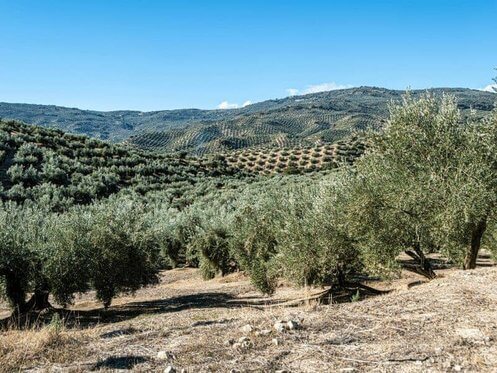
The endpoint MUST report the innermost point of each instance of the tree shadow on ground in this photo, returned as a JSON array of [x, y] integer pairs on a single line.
[[118, 313], [353, 291], [119, 362]]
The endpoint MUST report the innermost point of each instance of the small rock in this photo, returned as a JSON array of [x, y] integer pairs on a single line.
[[244, 342], [247, 328], [263, 332], [349, 369], [275, 341], [229, 342], [280, 326], [170, 369], [457, 368], [292, 325], [472, 335], [236, 345], [164, 355], [446, 364]]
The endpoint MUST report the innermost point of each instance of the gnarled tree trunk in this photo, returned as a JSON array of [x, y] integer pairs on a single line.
[[474, 248], [424, 267], [15, 292], [38, 301]]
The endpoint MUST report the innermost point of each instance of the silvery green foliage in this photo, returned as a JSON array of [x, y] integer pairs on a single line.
[[109, 246], [254, 235], [19, 229], [471, 191], [314, 244], [125, 251], [425, 184]]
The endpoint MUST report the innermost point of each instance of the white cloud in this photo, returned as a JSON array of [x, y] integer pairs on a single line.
[[490, 88], [231, 105], [227, 105], [292, 91], [323, 87]]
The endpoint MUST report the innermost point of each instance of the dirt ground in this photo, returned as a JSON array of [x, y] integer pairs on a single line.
[[223, 325]]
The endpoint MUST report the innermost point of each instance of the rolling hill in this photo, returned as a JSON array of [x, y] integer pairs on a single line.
[[308, 120], [59, 169]]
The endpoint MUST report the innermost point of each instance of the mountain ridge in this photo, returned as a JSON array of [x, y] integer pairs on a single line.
[[295, 120]]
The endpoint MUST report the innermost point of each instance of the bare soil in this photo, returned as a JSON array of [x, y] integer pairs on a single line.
[[444, 325]]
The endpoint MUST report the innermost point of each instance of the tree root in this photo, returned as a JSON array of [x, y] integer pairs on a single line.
[[422, 267], [334, 294]]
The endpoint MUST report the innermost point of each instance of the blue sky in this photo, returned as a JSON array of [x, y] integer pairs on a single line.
[[151, 55]]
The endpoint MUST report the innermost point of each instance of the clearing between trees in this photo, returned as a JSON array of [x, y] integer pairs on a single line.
[[225, 325]]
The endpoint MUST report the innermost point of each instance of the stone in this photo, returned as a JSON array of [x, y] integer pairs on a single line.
[[170, 369], [247, 328], [264, 332], [244, 343], [472, 335], [457, 368], [292, 325], [276, 341], [280, 326], [163, 355], [229, 342]]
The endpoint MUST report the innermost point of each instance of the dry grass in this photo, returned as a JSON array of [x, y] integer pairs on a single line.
[[447, 324], [39, 346]]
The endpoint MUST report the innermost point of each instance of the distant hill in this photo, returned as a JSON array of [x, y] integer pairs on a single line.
[[293, 121], [295, 160], [59, 169]]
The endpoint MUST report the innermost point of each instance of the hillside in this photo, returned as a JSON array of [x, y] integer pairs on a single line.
[[448, 324], [295, 159], [308, 120], [292, 121], [60, 169]]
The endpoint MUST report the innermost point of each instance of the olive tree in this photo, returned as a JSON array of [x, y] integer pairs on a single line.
[[253, 231], [19, 262], [426, 184], [471, 194], [109, 247], [315, 245]]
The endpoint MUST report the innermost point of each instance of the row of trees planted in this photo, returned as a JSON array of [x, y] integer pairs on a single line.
[[427, 183]]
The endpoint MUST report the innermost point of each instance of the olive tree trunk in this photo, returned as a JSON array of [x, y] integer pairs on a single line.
[[15, 292], [474, 248], [16, 295], [38, 301]]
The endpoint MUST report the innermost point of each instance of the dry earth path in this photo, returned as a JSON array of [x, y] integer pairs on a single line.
[[448, 324]]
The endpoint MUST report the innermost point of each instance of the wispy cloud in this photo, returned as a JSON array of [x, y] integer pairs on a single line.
[[292, 91], [322, 87], [490, 88], [227, 105], [231, 105]]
